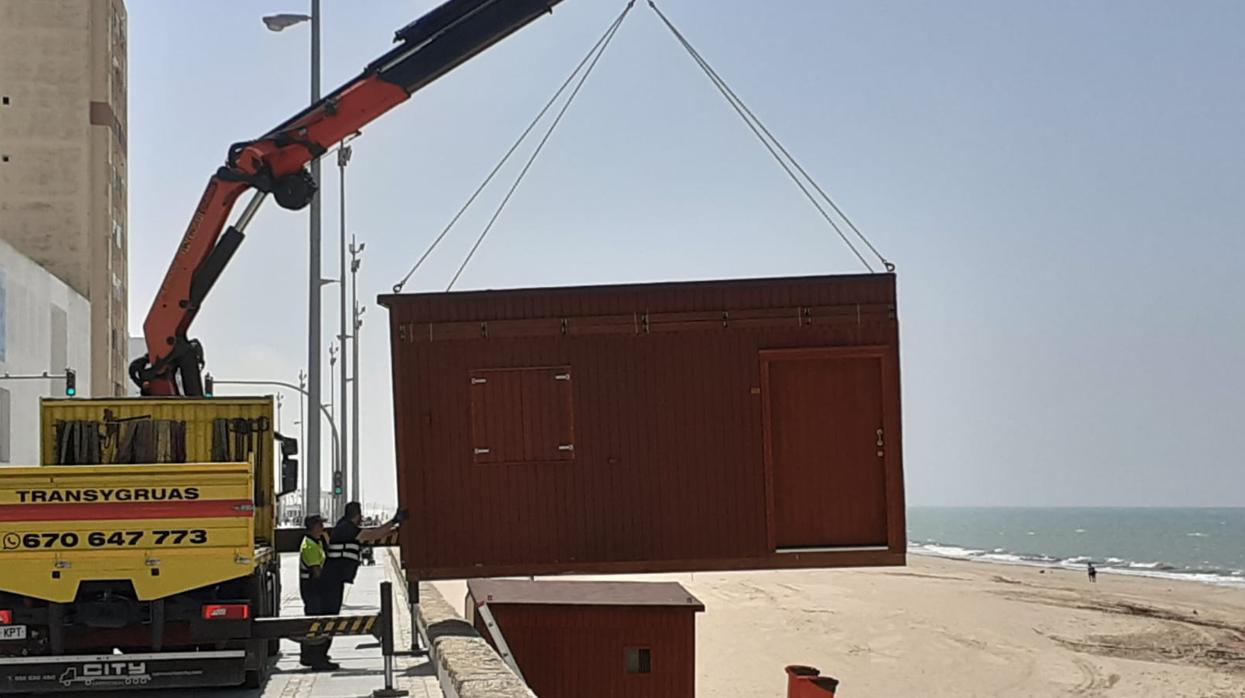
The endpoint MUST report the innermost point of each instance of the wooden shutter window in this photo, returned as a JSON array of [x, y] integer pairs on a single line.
[[522, 415]]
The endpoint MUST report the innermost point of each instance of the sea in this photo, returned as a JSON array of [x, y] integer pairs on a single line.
[[1202, 545]]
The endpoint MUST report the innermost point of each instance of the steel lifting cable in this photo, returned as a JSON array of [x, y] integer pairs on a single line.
[[590, 59], [766, 137], [540, 146]]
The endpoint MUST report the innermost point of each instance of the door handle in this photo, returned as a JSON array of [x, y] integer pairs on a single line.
[[881, 442]]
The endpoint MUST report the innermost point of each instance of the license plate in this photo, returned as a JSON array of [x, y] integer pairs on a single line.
[[12, 632]]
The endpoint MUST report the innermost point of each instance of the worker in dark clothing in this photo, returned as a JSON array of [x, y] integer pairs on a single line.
[[311, 557], [346, 542]]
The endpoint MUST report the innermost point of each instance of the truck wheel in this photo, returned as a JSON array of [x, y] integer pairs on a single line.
[[274, 645], [255, 678], [265, 593]]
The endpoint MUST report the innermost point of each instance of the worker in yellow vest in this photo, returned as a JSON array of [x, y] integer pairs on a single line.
[[311, 557]]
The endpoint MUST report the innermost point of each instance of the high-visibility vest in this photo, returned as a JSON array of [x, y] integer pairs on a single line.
[[304, 569], [351, 550]]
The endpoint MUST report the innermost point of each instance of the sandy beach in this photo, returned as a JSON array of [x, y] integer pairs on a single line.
[[951, 628]]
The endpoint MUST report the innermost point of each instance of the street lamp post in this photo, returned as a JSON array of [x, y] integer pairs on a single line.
[[277, 23], [302, 433], [343, 158], [332, 378], [356, 491], [333, 400]]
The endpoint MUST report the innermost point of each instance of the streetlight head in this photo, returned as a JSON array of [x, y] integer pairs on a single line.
[[276, 23]]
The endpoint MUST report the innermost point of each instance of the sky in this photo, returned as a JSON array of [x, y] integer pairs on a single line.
[[1061, 185]]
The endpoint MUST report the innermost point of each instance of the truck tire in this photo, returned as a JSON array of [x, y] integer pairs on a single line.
[[256, 678], [265, 594], [274, 645]]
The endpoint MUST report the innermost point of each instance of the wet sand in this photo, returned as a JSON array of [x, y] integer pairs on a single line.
[[951, 628]]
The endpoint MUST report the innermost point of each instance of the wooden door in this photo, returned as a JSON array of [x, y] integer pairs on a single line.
[[824, 448]]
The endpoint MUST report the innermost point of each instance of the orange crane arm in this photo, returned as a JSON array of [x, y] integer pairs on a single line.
[[276, 164]]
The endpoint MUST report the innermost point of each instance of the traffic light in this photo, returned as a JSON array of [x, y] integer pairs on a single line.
[[71, 382], [289, 464], [208, 385], [337, 482]]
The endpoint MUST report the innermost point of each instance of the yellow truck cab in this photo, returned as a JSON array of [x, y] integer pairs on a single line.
[[140, 549]]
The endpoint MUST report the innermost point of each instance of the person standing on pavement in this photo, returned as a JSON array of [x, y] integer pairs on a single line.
[[345, 552], [311, 557]]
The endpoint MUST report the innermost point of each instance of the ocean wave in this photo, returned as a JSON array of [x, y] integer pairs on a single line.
[[1003, 557], [954, 551], [1196, 534], [1215, 578], [1110, 565]]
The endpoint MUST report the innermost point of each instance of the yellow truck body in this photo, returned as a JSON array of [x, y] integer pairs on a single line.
[[146, 531], [166, 529]]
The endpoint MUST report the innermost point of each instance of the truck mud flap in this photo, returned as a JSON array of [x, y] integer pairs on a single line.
[[121, 672]]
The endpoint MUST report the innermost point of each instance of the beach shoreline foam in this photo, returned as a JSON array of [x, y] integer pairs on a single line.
[[1108, 565]]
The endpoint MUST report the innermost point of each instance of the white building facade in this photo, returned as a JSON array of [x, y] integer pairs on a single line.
[[44, 326], [137, 346]]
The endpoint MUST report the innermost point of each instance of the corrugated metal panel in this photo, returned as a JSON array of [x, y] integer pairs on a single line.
[[577, 651], [199, 416], [669, 461]]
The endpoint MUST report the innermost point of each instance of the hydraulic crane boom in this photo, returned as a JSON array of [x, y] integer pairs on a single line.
[[276, 164]]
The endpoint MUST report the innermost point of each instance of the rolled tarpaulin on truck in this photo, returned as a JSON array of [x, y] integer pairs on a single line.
[[78, 442]]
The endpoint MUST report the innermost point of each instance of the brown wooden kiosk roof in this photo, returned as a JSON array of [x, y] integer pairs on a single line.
[[582, 593]]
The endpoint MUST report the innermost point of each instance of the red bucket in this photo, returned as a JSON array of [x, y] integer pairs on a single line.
[[807, 682]]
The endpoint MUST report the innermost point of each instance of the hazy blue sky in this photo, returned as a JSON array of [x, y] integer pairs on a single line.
[[1062, 185]]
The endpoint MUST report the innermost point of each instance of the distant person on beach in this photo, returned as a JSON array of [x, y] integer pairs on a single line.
[[1093, 573]]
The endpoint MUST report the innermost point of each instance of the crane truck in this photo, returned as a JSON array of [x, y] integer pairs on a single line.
[[141, 552]]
